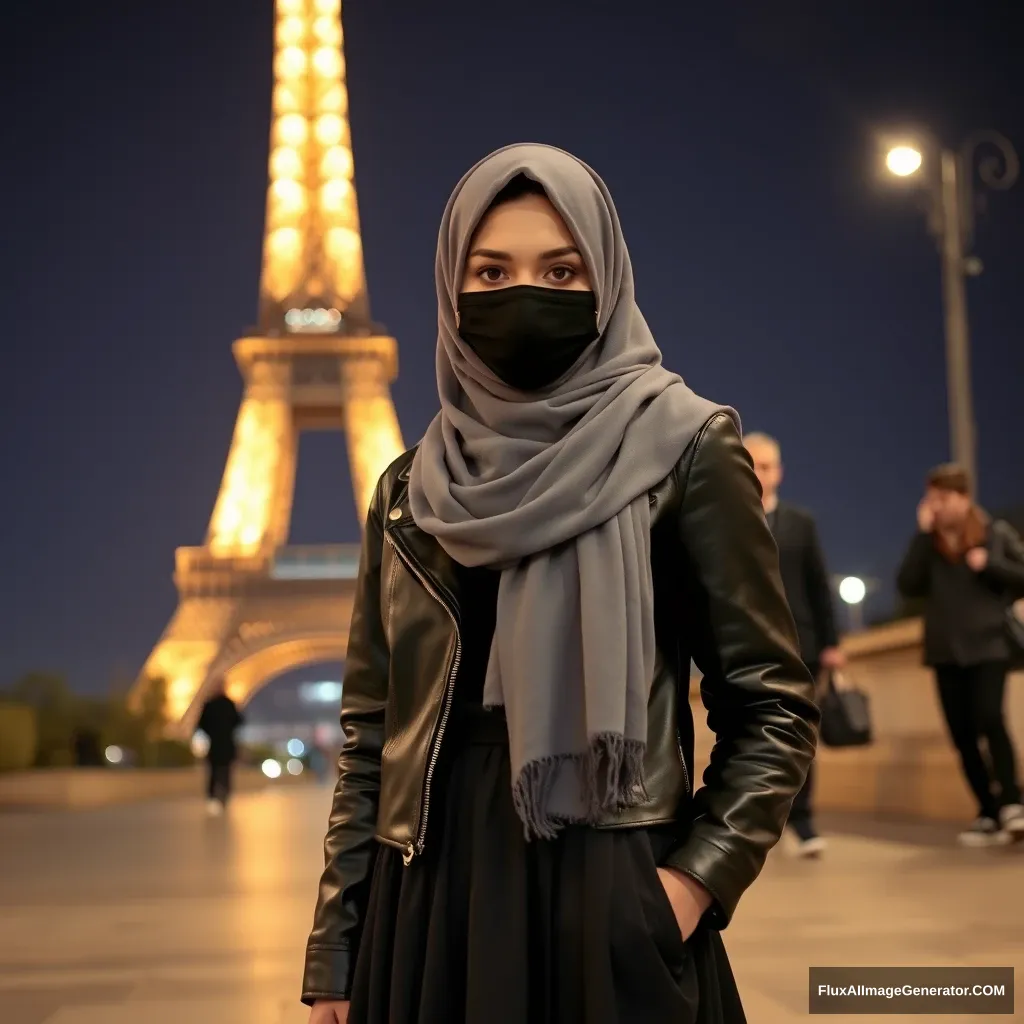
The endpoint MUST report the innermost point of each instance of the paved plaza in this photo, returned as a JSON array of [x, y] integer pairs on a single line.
[[154, 913]]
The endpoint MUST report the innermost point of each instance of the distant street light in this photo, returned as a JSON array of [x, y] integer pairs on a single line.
[[903, 160], [949, 181], [853, 590]]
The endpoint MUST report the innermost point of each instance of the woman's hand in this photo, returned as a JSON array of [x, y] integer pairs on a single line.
[[688, 897], [977, 559], [833, 658], [926, 515], [330, 1012]]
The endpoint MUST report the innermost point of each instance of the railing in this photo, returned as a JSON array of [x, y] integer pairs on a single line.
[[315, 562]]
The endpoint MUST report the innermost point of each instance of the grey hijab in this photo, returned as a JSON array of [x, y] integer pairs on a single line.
[[552, 488]]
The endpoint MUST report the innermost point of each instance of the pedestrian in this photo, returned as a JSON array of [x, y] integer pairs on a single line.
[[220, 720], [967, 570], [805, 577], [515, 836]]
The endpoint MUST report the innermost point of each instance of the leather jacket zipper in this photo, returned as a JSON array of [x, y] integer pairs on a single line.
[[416, 848], [682, 761]]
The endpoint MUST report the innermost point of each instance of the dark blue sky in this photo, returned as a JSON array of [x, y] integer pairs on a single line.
[[737, 139]]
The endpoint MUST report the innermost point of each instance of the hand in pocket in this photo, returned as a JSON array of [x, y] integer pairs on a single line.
[[689, 899]]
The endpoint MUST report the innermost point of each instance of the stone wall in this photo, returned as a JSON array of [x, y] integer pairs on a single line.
[[911, 770], [81, 788]]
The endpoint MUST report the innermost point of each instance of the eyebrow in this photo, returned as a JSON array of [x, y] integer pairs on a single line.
[[551, 254]]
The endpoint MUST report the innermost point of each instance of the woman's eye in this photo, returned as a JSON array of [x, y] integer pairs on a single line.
[[561, 275], [492, 275]]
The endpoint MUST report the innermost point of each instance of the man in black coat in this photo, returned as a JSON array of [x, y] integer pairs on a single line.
[[809, 592], [220, 719]]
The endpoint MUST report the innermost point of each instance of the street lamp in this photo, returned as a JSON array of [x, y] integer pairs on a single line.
[[852, 591], [951, 219], [903, 161]]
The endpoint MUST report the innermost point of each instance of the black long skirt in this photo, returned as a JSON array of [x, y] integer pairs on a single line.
[[487, 928]]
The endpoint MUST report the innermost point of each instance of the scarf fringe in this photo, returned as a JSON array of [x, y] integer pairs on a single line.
[[610, 775]]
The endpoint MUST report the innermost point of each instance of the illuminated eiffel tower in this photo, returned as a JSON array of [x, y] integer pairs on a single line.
[[250, 606]]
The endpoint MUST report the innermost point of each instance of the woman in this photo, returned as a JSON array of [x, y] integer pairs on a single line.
[[966, 570], [514, 836]]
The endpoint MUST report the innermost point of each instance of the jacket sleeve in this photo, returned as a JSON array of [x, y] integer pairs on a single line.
[[350, 847], [757, 691], [1006, 559], [913, 578], [819, 590]]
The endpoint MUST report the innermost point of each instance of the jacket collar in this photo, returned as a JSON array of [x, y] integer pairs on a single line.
[[423, 553]]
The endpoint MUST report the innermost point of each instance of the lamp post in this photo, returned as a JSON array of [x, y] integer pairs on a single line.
[[951, 219]]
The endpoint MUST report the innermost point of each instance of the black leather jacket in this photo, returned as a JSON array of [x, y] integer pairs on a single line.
[[718, 600]]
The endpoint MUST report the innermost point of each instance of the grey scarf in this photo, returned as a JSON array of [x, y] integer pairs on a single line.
[[553, 490]]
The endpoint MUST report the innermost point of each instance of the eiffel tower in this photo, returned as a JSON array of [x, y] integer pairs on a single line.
[[249, 605]]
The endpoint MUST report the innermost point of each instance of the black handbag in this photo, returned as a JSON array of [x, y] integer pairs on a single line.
[[845, 716]]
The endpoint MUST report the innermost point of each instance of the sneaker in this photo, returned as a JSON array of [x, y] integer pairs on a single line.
[[805, 842], [1011, 817], [214, 808], [984, 832]]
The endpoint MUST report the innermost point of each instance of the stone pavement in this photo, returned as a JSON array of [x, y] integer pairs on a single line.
[[154, 914]]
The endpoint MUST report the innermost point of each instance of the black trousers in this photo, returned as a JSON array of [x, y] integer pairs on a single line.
[[801, 814], [218, 780], [972, 702]]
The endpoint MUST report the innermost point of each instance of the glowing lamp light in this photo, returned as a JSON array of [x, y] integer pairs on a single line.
[[288, 196], [290, 6], [290, 31], [903, 161], [295, 766], [288, 98], [333, 100], [310, 320], [852, 590], [335, 196], [285, 243], [342, 243], [337, 163], [114, 755], [292, 130], [327, 31], [296, 747], [271, 768], [329, 130], [327, 62], [290, 63], [250, 535], [285, 162], [327, 6]]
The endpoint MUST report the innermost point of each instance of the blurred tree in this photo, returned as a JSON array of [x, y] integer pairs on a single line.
[[73, 730], [17, 736], [137, 724], [55, 708]]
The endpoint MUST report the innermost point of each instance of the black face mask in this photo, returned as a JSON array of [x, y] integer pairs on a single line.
[[528, 336]]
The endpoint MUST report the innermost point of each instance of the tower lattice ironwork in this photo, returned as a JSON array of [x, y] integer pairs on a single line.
[[251, 606]]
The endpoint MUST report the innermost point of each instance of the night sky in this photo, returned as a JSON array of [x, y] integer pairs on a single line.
[[777, 273]]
